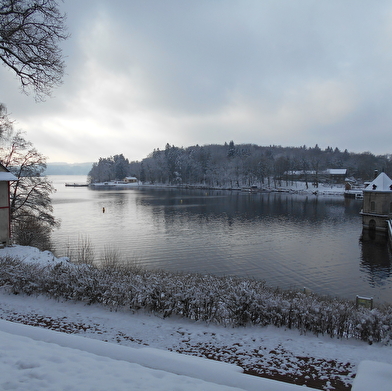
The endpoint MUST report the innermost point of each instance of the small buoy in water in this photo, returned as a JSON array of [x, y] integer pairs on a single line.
[[103, 210]]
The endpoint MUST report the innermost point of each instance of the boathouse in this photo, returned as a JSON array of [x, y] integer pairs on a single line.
[[5, 211], [130, 179], [377, 203]]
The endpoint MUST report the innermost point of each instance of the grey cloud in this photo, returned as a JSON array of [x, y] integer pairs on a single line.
[[183, 72]]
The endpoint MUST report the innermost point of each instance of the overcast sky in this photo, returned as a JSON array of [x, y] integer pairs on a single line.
[[143, 73]]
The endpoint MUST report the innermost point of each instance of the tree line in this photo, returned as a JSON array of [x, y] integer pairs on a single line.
[[231, 166]]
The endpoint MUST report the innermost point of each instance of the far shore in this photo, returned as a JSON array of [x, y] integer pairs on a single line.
[[293, 188]]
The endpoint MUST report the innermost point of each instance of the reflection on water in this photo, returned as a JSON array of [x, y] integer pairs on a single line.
[[376, 258], [286, 240]]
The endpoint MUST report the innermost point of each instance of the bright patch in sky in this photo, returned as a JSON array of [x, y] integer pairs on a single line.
[[143, 74]]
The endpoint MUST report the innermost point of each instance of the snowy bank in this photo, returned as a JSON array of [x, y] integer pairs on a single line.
[[33, 255], [225, 300], [35, 358], [114, 342]]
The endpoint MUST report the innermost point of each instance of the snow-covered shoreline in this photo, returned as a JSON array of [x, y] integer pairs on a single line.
[[297, 187], [278, 350], [322, 190]]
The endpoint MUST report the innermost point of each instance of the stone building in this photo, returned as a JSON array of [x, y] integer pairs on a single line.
[[377, 203], [5, 216]]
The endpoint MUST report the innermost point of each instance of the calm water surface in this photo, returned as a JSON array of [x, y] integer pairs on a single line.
[[286, 240]]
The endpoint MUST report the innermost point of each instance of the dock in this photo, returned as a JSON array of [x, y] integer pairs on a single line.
[[357, 194], [76, 184]]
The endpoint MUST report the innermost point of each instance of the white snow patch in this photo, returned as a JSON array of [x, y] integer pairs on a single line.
[[33, 358], [373, 375], [31, 255]]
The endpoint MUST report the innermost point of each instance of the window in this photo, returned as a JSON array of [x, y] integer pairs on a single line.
[[372, 206]]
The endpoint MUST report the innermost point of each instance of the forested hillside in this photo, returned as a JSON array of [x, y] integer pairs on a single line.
[[232, 166]]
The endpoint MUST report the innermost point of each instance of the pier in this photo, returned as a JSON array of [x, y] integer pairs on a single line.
[[76, 184]]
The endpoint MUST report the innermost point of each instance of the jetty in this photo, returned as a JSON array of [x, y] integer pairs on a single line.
[[357, 194], [117, 185], [76, 184]]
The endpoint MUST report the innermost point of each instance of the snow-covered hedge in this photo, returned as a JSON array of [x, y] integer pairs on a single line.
[[231, 301]]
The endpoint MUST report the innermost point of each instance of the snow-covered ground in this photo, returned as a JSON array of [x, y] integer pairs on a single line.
[[322, 189], [80, 347]]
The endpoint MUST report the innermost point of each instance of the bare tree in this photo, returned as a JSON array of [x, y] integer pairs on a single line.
[[30, 31], [31, 206], [5, 122]]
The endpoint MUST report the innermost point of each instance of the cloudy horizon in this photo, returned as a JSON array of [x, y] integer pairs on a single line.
[[142, 74]]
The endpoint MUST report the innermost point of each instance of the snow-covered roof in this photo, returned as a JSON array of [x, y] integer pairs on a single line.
[[328, 171], [337, 171], [381, 183], [7, 176]]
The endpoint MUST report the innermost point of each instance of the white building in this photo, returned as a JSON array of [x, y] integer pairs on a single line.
[[377, 203]]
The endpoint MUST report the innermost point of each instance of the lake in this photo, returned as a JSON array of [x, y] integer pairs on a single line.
[[289, 241]]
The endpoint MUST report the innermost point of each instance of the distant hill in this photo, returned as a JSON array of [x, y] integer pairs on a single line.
[[68, 168]]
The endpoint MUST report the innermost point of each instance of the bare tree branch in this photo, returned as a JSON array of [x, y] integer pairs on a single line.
[[30, 32]]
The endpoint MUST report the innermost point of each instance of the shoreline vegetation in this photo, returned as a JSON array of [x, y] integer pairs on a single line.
[[229, 301], [243, 165]]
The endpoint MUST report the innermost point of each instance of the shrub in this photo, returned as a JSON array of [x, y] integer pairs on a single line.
[[30, 231], [230, 301]]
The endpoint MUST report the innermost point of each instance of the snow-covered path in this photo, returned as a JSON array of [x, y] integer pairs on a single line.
[[35, 359], [28, 364]]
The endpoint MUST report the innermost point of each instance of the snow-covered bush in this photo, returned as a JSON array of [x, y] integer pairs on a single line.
[[230, 301]]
